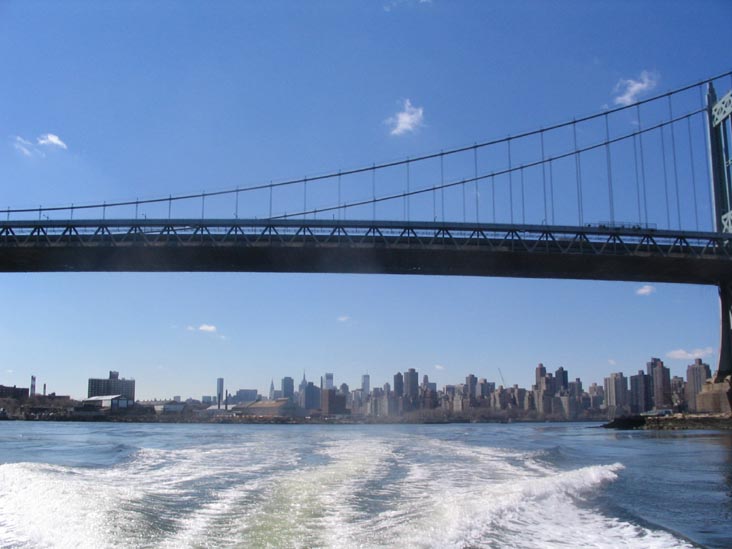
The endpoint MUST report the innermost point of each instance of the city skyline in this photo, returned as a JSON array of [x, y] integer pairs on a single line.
[[122, 103]]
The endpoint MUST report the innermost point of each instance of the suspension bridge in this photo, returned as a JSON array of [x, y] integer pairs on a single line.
[[639, 192]]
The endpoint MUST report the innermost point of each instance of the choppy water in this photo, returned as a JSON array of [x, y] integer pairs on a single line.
[[544, 485]]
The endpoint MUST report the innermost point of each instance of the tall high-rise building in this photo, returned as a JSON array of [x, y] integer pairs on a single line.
[[288, 387], [327, 383], [33, 386], [561, 377], [271, 389], [310, 397], [398, 384], [112, 386], [616, 393], [661, 382], [540, 373], [696, 376], [366, 384], [411, 384], [471, 385], [641, 393], [219, 391]]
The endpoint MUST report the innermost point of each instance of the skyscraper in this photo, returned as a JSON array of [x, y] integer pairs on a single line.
[[696, 376], [661, 384], [328, 382], [641, 393], [616, 394], [366, 384], [288, 387], [219, 391], [398, 385], [411, 384], [561, 377], [471, 384], [540, 373]]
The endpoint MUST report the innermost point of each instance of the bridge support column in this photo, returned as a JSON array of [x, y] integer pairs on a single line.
[[725, 347]]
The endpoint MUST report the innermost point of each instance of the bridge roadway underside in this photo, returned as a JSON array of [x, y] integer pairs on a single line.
[[303, 246]]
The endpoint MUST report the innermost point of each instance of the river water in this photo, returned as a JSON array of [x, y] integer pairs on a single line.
[[464, 485]]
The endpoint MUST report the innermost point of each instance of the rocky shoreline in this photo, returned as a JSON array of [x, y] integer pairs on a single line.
[[676, 422]]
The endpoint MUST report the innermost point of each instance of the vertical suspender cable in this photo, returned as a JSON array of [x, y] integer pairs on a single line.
[[551, 189], [408, 195], [305, 197], [523, 203], [665, 179], [676, 168], [510, 180], [339, 195], [236, 206], [170, 204], [643, 165], [578, 175], [493, 199], [373, 192], [543, 176], [465, 211], [706, 163], [637, 178], [271, 188], [693, 173], [609, 171], [442, 183], [477, 194]]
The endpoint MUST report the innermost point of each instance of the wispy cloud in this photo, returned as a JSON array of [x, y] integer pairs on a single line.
[[343, 318], [439, 367], [611, 362], [23, 146], [681, 354], [409, 119], [646, 289], [30, 149], [208, 328], [629, 90], [51, 140]]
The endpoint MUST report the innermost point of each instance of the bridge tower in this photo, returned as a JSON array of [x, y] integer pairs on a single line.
[[720, 137]]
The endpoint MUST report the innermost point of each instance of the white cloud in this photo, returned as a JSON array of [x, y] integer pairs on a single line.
[[681, 354], [29, 150], [9, 371], [628, 90], [190, 329], [646, 289], [611, 362], [210, 328], [439, 367], [343, 318], [51, 140], [407, 120]]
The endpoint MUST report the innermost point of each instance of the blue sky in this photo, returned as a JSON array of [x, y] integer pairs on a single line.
[[104, 101]]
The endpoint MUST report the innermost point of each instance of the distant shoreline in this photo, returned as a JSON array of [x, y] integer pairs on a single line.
[[677, 422]]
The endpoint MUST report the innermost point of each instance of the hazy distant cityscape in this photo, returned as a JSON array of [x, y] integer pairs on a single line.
[[405, 397]]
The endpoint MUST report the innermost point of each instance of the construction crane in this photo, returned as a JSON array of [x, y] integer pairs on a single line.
[[501, 374]]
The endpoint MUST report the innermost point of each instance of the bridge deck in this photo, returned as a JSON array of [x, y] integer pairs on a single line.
[[320, 246]]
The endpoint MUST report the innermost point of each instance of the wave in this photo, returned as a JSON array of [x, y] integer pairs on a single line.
[[340, 489]]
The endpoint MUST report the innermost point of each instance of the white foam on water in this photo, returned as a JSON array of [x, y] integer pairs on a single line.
[[140, 503], [337, 491], [309, 507]]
